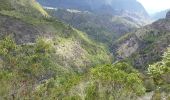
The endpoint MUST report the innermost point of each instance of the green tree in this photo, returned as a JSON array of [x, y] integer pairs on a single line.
[[117, 81], [160, 72]]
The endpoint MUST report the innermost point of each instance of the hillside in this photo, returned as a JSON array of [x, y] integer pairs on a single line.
[[96, 5], [131, 9], [115, 7], [102, 28], [26, 29], [35, 48], [103, 20], [44, 57], [145, 45], [22, 7]]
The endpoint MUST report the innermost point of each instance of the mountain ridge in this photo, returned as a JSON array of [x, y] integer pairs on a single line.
[[44, 58], [98, 6], [145, 45], [25, 28]]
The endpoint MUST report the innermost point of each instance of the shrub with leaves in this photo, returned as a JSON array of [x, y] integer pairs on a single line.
[[116, 81], [24, 66], [160, 72]]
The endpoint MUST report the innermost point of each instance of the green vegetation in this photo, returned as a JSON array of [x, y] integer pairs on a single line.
[[160, 72], [24, 7], [74, 50], [117, 81], [23, 66], [101, 28], [30, 71], [60, 62], [101, 83]]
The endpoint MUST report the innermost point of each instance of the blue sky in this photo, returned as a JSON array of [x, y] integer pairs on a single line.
[[153, 6]]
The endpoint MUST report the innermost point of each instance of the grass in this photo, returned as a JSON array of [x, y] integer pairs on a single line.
[[29, 7], [86, 52]]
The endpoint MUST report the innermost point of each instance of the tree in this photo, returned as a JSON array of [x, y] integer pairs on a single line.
[[160, 72], [117, 81]]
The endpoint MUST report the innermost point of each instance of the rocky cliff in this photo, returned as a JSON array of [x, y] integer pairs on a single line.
[[145, 45]]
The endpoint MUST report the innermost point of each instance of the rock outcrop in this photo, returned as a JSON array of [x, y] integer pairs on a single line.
[[145, 45]]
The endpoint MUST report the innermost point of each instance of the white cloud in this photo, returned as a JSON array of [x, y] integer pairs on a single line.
[[153, 6]]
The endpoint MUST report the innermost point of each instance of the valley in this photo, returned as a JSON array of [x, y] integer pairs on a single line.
[[83, 50]]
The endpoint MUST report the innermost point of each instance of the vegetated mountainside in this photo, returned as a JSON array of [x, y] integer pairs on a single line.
[[42, 58], [35, 48], [96, 5], [25, 27], [102, 28], [159, 15], [102, 20], [115, 7], [27, 7], [145, 45]]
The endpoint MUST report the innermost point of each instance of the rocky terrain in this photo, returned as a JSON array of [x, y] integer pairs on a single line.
[[142, 45]]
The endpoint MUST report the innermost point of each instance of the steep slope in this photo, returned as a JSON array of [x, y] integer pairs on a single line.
[[25, 27], [95, 5], [130, 8], [144, 45], [43, 58], [22, 6], [91, 5], [35, 48], [103, 20], [102, 28]]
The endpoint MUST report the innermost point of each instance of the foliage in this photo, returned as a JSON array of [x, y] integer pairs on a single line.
[[23, 6], [115, 81], [31, 71], [24, 64], [160, 72]]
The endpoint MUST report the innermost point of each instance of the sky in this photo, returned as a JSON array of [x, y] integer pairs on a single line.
[[153, 6]]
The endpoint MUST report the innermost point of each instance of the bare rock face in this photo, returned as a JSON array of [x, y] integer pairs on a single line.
[[168, 15]]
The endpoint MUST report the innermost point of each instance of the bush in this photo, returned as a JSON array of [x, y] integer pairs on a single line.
[[117, 81]]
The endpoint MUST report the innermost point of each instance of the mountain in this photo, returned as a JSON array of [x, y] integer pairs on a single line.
[[36, 48], [102, 20], [145, 45], [114, 7], [94, 5], [43, 58], [159, 15], [26, 20], [22, 6], [102, 28]]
